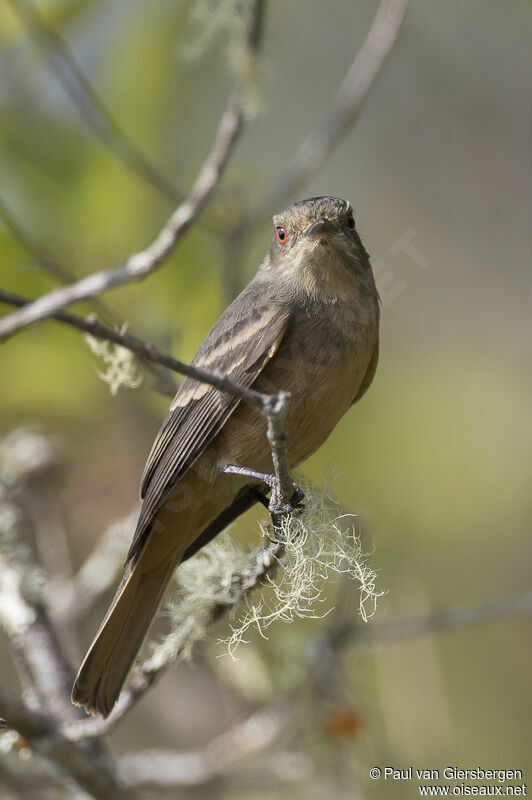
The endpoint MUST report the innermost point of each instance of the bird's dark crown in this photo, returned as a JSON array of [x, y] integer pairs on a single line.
[[300, 215]]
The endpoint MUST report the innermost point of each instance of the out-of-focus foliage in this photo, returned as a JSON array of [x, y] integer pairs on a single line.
[[436, 457]]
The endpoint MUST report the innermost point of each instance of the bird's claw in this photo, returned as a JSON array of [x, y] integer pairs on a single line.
[[294, 504]]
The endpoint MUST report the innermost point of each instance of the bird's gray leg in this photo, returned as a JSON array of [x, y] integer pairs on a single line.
[[294, 504]]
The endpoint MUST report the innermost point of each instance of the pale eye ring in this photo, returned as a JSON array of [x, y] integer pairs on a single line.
[[281, 234]]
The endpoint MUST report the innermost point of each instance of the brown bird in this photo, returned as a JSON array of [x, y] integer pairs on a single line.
[[307, 323]]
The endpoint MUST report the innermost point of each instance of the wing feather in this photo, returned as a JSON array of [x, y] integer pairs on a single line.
[[240, 344]]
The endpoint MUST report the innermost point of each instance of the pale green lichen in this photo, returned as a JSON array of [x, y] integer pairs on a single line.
[[122, 366], [318, 544], [205, 582]]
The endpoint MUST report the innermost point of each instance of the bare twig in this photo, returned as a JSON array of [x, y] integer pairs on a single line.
[[141, 264], [24, 782], [403, 629], [90, 105], [320, 142], [271, 406], [148, 352], [262, 564], [44, 670], [283, 488], [81, 761], [247, 739], [353, 90], [163, 381], [325, 670], [201, 766]]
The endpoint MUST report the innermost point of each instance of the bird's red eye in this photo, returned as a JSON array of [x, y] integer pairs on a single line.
[[281, 235], [351, 223]]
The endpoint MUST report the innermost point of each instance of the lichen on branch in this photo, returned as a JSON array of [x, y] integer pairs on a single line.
[[308, 550]]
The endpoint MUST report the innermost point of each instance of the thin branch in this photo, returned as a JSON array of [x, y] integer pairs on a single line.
[[177, 768], [148, 352], [403, 629], [163, 381], [42, 666], [320, 142], [262, 564], [353, 91], [77, 760], [283, 488], [273, 407], [44, 670], [26, 783], [90, 105], [247, 739], [144, 263]]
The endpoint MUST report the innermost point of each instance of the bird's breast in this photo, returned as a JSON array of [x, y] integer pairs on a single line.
[[321, 362]]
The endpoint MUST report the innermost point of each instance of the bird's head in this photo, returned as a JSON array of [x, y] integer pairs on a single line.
[[316, 241]]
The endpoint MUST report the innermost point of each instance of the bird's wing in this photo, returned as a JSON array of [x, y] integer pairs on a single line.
[[243, 340]]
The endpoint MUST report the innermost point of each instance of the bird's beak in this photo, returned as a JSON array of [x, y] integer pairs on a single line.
[[322, 227]]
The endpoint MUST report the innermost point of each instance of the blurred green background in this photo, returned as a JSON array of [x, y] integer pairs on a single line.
[[436, 457]]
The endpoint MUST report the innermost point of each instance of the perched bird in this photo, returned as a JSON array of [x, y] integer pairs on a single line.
[[307, 323]]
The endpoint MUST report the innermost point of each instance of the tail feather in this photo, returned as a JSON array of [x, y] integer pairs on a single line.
[[121, 635]]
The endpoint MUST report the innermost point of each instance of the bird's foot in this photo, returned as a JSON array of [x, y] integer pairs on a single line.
[[294, 504]]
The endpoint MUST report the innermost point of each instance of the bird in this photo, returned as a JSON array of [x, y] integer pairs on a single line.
[[308, 324]]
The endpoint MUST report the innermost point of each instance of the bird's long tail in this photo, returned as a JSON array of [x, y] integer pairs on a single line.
[[122, 633]]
